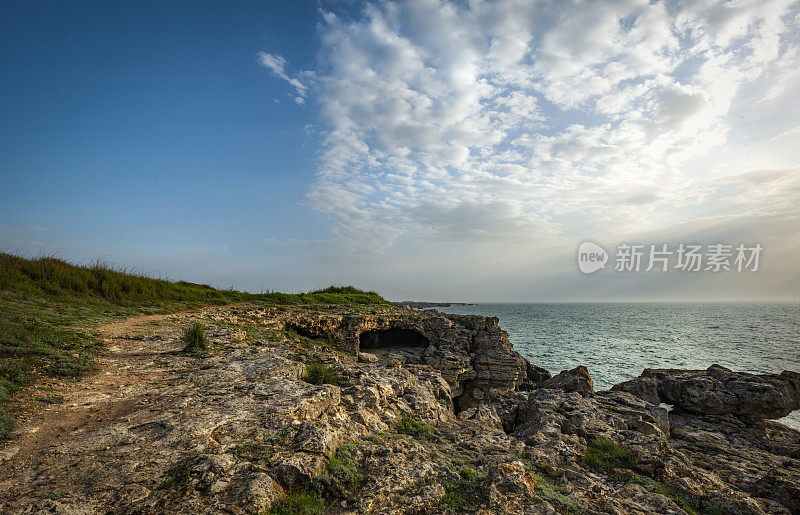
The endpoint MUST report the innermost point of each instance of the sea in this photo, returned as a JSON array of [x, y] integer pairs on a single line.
[[617, 340]]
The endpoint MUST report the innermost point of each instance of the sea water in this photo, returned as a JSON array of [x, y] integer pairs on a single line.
[[616, 341]]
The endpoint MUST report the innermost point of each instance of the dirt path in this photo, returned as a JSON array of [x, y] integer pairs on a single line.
[[91, 402]]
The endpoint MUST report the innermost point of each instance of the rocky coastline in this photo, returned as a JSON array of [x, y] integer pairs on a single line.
[[426, 413]]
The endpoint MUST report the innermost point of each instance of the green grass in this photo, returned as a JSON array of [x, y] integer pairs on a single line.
[[341, 474], [50, 277], [320, 373], [6, 425], [179, 474], [606, 454], [548, 490], [53, 399], [414, 427], [54, 278], [252, 451], [195, 341], [464, 494], [687, 504], [347, 290], [298, 503], [560, 410], [320, 298]]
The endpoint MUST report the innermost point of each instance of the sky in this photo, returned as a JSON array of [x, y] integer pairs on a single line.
[[436, 150]]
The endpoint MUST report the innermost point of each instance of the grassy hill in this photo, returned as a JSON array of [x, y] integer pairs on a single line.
[[49, 309]]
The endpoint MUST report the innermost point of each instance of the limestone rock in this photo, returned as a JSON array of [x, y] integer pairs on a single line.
[[366, 357], [575, 380], [719, 391], [235, 432], [646, 388]]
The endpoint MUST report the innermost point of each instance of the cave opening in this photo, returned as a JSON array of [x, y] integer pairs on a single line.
[[391, 339]]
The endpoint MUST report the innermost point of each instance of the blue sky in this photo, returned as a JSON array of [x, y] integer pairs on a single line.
[[136, 132], [426, 149]]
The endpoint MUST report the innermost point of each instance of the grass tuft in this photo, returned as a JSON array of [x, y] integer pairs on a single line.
[[178, 475], [464, 494], [298, 503], [548, 490], [319, 373], [252, 451], [195, 341], [414, 427], [606, 454], [341, 474], [6, 425], [72, 366]]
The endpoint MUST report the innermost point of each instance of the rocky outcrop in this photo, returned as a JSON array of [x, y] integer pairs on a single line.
[[471, 352], [576, 380], [761, 458], [719, 391]]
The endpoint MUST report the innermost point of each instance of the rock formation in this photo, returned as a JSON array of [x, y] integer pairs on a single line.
[[471, 352], [431, 413], [575, 380], [719, 391]]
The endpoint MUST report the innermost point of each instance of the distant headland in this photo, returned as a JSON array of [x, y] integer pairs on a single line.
[[422, 305]]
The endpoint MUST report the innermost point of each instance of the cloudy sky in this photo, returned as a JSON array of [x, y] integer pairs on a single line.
[[428, 149]]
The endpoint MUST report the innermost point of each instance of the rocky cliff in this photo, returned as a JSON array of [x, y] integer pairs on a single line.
[[385, 410]]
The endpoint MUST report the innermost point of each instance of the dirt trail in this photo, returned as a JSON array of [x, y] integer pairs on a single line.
[[91, 402]]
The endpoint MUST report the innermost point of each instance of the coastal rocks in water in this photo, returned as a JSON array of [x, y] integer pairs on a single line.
[[535, 377], [720, 391], [575, 380]]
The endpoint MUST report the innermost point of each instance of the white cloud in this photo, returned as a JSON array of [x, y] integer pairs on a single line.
[[277, 65], [488, 121]]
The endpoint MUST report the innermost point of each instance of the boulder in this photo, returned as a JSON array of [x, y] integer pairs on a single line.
[[575, 380], [646, 388], [366, 357]]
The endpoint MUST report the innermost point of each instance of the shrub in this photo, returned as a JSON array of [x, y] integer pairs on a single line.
[[298, 503], [319, 373], [195, 341], [606, 454], [415, 427]]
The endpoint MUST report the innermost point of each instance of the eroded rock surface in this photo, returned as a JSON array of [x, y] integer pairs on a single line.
[[720, 391], [436, 427], [576, 380], [471, 352]]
